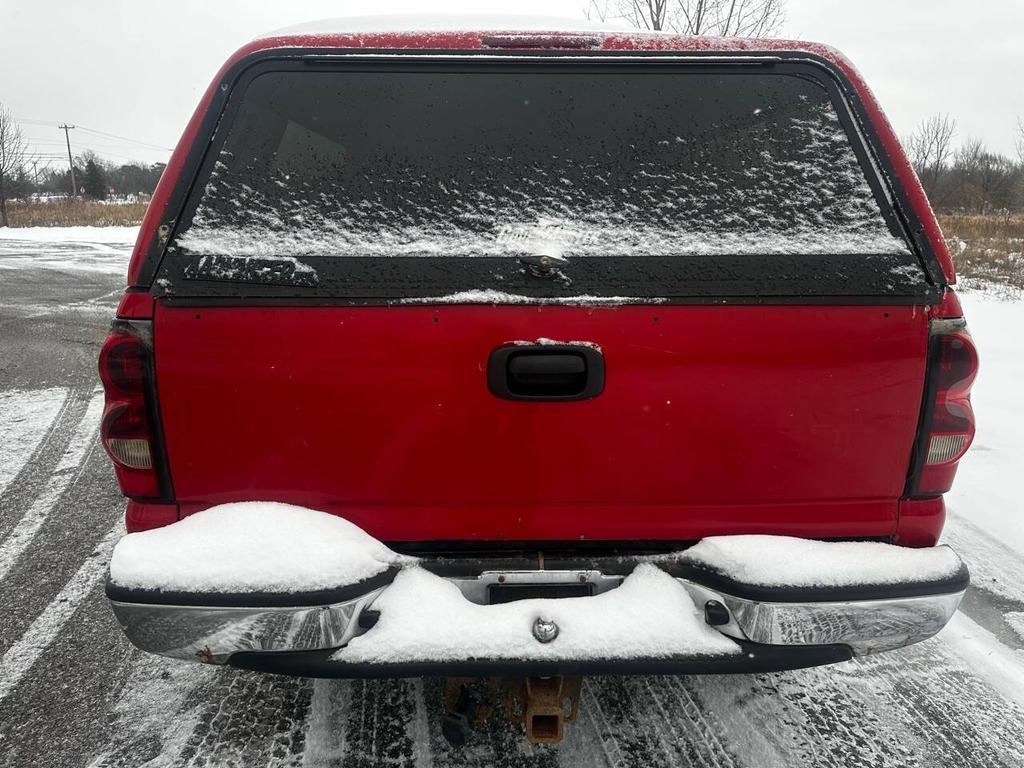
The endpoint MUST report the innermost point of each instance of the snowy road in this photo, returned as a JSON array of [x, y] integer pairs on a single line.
[[73, 693]]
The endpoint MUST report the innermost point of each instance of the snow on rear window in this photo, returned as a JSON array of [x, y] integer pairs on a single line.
[[569, 164]]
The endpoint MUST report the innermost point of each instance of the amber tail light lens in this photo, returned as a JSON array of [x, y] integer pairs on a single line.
[[127, 429]]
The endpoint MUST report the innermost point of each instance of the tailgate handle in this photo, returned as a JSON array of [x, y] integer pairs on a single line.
[[545, 372]]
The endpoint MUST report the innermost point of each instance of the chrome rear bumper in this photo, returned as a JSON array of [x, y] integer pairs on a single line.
[[211, 634], [780, 618]]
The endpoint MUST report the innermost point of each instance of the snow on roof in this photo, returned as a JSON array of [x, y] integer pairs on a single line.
[[359, 25]]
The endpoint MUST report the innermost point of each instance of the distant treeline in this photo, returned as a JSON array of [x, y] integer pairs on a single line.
[[95, 179], [968, 178]]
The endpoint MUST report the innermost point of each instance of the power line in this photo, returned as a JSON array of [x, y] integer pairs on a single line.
[[125, 138], [102, 152], [147, 144], [106, 150]]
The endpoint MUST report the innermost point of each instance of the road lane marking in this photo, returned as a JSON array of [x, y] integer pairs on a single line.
[[26, 416], [1001, 667], [64, 476], [20, 657]]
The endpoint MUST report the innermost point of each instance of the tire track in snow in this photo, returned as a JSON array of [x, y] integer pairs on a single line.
[[378, 724], [155, 712], [921, 706], [249, 719], [985, 681], [173, 713], [67, 472], [589, 731], [19, 658], [421, 727], [958, 717], [649, 721], [325, 735]]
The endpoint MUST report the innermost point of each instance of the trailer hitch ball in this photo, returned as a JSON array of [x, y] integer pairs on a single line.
[[544, 630]]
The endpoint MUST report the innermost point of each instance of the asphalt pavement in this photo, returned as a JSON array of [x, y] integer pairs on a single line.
[[74, 693]]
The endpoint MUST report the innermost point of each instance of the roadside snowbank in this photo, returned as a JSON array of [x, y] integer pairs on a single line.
[[250, 547], [985, 490], [425, 618], [776, 561]]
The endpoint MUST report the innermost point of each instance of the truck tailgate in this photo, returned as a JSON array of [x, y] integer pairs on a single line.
[[713, 419]]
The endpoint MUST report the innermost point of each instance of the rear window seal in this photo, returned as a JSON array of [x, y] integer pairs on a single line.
[[864, 141]]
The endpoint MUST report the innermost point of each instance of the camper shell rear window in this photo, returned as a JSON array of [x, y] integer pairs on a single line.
[[415, 181]]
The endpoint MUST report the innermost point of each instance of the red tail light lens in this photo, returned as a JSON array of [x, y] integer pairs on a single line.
[[127, 427], [947, 428]]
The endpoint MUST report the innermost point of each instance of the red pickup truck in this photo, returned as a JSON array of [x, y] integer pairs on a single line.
[[533, 354]]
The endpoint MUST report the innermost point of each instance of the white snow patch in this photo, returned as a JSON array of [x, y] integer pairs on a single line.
[[545, 342], [321, 236], [1016, 621], [111, 235], [243, 268], [351, 25], [787, 561], [490, 296], [25, 415], [250, 547], [426, 618]]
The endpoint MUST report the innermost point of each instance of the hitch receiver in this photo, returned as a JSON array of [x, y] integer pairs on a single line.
[[543, 705]]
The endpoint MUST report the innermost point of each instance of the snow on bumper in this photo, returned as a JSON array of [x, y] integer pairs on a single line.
[[727, 604]]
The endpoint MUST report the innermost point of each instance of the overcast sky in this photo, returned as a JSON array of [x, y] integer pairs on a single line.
[[135, 70]]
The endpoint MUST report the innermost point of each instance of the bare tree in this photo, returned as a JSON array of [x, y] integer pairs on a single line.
[[930, 146], [1018, 140], [983, 179], [12, 157], [930, 149], [723, 18]]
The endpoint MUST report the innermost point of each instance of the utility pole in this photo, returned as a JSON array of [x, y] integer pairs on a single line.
[[35, 171], [71, 163]]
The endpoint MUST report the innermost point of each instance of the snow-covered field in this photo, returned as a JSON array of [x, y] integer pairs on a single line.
[[74, 249], [72, 692]]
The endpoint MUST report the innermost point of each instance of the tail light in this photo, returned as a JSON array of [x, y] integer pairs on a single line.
[[947, 420], [130, 426]]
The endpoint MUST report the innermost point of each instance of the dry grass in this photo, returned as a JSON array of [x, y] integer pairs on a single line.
[[70, 213], [989, 247]]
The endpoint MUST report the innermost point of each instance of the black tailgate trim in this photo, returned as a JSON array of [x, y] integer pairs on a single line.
[[785, 279]]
